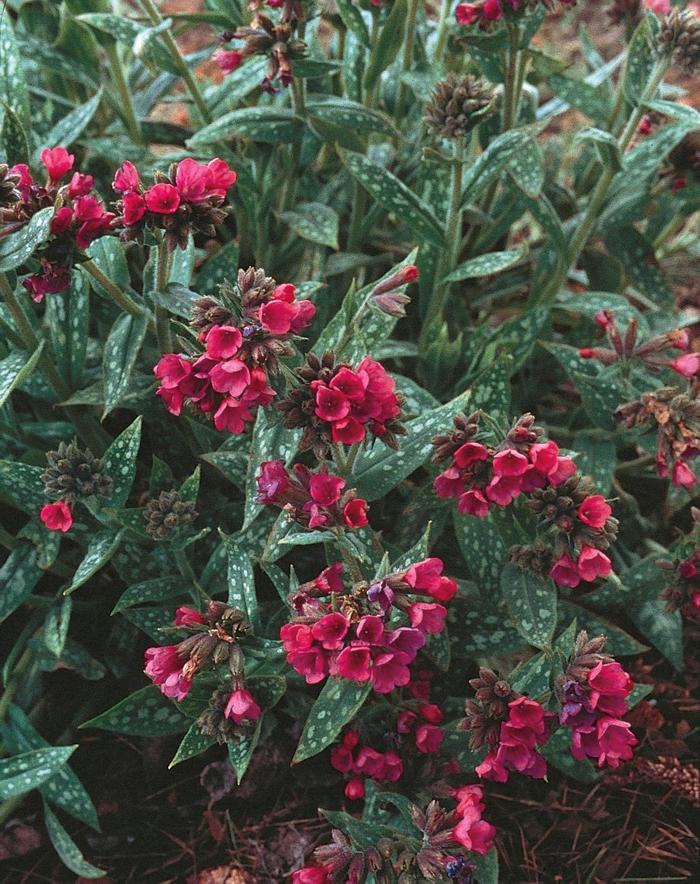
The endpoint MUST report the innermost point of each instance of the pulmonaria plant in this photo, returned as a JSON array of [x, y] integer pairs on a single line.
[[79, 217], [485, 13], [71, 475], [244, 333], [336, 403], [351, 634], [187, 199]]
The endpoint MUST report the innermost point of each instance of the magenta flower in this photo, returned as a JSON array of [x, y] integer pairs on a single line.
[[564, 572], [593, 563], [242, 707], [57, 162], [594, 511], [57, 516], [162, 199], [330, 631], [164, 668]]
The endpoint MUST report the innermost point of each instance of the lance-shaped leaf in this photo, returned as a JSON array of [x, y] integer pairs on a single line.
[[72, 126], [18, 246], [641, 59], [353, 21], [119, 463], [13, 85], [193, 743], [100, 550], [336, 705], [241, 581], [67, 849], [120, 353], [272, 125], [24, 772], [388, 44], [15, 368], [18, 577], [315, 222], [351, 115], [532, 604], [486, 265], [145, 713], [21, 485], [606, 147]]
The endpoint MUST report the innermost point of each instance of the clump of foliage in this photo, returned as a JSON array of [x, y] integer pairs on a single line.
[[355, 383]]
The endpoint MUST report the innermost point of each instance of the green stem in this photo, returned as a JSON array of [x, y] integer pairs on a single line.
[[163, 334], [115, 293], [407, 61], [185, 569], [633, 466], [127, 105], [588, 222], [510, 97], [445, 10], [188, 77]]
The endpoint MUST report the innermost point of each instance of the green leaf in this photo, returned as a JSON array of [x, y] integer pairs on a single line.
[[606, 147], [272, 125], [589, 99], [641, 59], [486, 265], [67, 849], [56, 625], [619, 643], [241, 582], [14, 143], [390, 40], [350, 115], [597, 459], [482, 630], [394, 196], [155, 590], [15, 368], [486, 866], [491, 390], [315, 222], [193, 743], [119, 463], [18, 577], [532, 604], [145, 713], [120, 353], [557, 751], [532, 677], [13, 85], [474, 536], [21, 485], [68, 316], [18, 246], [24, 772], [489, 164], [525, 168], [108, 254], [353, 21], [379, 470], [517, 336], [63, 789], [72, 126], [336, 705], [240, 752], [663, 628], [267, 443], [222, 265], [100, 550]]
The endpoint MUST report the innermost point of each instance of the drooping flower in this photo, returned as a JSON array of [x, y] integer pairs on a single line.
[[57, 516]]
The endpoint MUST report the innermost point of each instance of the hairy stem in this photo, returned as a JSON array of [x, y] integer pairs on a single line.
[[127, 105], [407, 60], [163, 334], [115, 293]]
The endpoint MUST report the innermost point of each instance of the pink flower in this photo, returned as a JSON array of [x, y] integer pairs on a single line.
[[311, 875], [231, 376], [659, 7], [610, 686], [171, 370], [348, 431], [163, 199], [133, 208], [80, 185], [355, 789], [326, 489], [472, 832], [57, 162], [492, 10], [428, 617], [405, 721], [609, 740], [164, 668], [223, 341], [227, 59], [564, 572], [51, 279], [331, 630], [509, 463], [470, 453], [544, 456], [355, 513], [221, 176], [502, 490], [565, 468], [687, 365], [429, 738], [191, 180], [467, 13], [593, 563], [331, 405], [353, 663], [232, 415], [185, 616], [449, 484], [61, 220], [682, 475], [57, 516], [594, 511], [126, 178], [473, 503], [341, 759], [242, 707]]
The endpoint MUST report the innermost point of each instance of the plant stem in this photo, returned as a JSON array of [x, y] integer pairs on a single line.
[[115, 293], [188, 77], [511, 98], [127, 107], [165, 340], [445, 10], [183, 564], [588, 222], [407, 61]]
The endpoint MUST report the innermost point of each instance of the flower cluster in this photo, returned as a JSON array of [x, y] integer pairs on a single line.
[[214, 641], [79, 217], [314, 500], [650, 353], [525, 728], [676, 416], [349, 634], [276, 40], [682, 592], [593, 695], [187, 198], [364, 762], [480, 475], [339, 403], [484, 13], [230, 379], [580, 525], [72, 474]]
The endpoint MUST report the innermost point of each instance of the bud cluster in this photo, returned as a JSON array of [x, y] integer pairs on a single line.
[[352, 635], [680, 38], [71, 475], [243, 334], [166, 514], [481, 475], [676, 416], [593, 695], [458, 104], [79, 216], [339, 403], [188, 198], [314, 500]]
